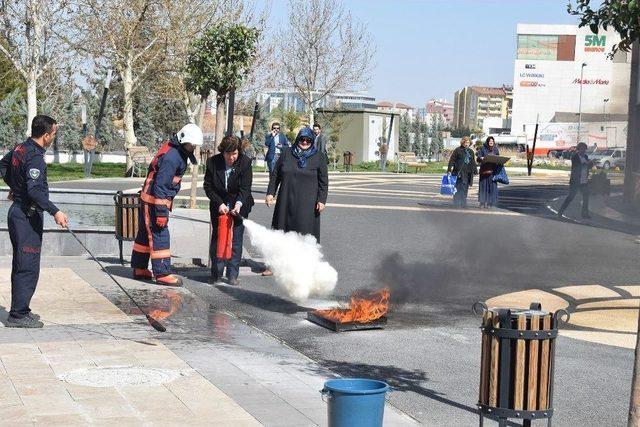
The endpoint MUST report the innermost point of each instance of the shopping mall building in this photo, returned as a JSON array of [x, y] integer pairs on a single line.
[[553, 63]]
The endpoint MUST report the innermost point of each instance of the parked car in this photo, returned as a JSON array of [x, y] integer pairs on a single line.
[[620, 163], [608, 158]]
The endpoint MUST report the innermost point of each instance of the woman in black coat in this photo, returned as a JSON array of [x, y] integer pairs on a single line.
[[227, 183], [462, 164], [487, 188], [301, 181]]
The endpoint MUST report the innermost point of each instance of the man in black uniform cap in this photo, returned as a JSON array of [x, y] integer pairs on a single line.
[[25, 172]]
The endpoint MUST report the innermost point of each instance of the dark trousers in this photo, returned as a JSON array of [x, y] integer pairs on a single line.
[[26, 239], [462, 189], [151, 242], [573, 190], [233, 265]]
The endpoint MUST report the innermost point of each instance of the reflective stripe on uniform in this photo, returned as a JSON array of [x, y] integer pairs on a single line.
[[154, 201], [161, 254], [141, 248]]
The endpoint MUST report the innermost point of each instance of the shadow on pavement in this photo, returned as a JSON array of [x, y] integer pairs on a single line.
[[399, 379], [263, 301]]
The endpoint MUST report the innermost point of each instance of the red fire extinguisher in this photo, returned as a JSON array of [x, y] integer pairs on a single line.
[[225, 236]]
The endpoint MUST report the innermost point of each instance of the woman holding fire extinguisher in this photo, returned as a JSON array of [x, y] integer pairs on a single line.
[[227, 183]]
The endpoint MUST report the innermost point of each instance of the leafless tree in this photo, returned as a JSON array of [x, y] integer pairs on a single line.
[[324, 50], [29, 38]]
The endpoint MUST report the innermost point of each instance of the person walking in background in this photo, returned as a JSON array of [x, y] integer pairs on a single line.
[[275, 143], [301, 181], [321, 140], [462, 164], [383, 150], [579, 180], [487, 188], [227, 184]]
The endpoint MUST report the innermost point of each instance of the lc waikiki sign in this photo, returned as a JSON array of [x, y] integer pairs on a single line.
[[594, 43]]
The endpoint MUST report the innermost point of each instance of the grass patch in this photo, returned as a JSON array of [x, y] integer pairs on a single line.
[[70, 171]]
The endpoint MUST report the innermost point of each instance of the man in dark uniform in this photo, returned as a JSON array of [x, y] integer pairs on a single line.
[[25, 172], [160, 187]]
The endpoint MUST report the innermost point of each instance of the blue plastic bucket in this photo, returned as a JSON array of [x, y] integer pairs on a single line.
[[355, 402]]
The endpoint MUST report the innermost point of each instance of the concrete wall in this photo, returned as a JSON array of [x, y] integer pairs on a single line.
[[189, 239], [362, 131], [70, 196], [353, 135], [65, 157]]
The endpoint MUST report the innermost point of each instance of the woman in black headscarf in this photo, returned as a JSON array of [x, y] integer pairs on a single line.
[[487, 188], [301, 181]]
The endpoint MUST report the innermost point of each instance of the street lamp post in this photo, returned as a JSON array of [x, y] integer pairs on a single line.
[[604, 105], [584, 64]]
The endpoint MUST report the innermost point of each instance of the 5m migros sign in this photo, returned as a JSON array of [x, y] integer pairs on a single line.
[[594, 43]]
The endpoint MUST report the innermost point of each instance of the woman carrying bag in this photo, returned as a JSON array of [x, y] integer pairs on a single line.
[[487, 186], [227, 183], [462, 164]]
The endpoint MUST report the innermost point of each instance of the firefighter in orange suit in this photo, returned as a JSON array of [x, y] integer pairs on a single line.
[[156, 199]]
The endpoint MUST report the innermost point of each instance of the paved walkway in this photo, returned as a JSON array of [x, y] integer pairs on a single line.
[[95, 364]]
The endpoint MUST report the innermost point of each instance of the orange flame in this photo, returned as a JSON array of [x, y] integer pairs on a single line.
[[364, 306], [175, 302]]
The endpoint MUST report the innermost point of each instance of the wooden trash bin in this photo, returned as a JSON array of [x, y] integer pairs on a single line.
[[127, 208], [517, 363]]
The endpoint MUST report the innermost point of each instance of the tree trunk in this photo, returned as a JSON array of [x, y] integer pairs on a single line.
[[191, 113], [309, 103], [32, 100], [193, 194], [129, 133], [220, 119]]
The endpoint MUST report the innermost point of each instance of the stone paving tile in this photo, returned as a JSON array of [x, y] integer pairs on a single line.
[[117, 406], [15, 415], [80, 335], [62, 420], [117, 421]]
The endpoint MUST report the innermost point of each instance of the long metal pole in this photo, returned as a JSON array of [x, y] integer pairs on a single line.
[[580, 101], [103, 102], [230, 111], [83, 115], [256, 112]]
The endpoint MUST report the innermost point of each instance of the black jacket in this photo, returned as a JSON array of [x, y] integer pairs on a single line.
[[576, 168], [459, 168], [25, 171], [238, 188]]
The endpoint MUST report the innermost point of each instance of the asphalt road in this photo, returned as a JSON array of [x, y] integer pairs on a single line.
[[397, 231]]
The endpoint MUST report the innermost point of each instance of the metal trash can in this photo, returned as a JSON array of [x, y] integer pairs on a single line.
[[517, 363], [127, 218]]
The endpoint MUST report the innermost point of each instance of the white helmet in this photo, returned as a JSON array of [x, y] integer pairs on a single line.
[[191, 134]]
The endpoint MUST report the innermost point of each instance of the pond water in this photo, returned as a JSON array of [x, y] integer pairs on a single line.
[[79, 215]]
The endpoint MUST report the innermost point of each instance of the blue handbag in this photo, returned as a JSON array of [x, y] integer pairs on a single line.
[[448, 187], [500, 176]]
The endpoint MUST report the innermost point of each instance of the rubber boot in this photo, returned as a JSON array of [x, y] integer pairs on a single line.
[[168, 280], [142, 274]]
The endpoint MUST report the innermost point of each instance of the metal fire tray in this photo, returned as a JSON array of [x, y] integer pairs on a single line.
[[347, 326]]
